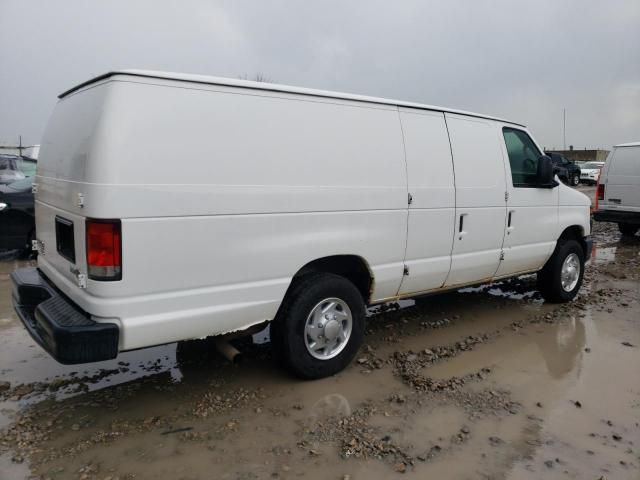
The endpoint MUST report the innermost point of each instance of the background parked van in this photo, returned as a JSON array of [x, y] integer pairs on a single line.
[[618, 195], [308, 205]]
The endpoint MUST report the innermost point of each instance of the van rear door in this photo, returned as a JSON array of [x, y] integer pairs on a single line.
[[622, 183], [63, 182]]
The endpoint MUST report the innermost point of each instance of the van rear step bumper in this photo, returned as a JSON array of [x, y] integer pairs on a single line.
[[66, 332], [617, 216]]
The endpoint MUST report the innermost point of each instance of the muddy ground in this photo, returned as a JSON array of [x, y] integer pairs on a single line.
[[488, 382]]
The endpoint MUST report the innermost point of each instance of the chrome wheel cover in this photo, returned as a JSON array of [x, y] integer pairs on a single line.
[[570, 273], [328, 328]]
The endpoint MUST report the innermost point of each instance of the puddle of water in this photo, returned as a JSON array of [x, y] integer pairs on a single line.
[[431, 427], [606, 387], [7, 412], [553, 350], [12, 470]]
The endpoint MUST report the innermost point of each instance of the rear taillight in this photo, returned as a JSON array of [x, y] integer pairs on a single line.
[[599, 193], [104, 250]]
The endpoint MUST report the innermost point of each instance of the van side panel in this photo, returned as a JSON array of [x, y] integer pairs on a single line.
[[224, 194], [480, 199], [432, 210], [621, 177]]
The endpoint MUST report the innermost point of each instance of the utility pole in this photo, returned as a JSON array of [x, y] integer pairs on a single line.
[[564, 128]]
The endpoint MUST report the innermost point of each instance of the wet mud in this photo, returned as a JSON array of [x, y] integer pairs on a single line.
[[487, 382]]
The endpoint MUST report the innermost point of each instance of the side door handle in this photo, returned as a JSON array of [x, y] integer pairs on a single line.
[[461, 231], [510, 221]]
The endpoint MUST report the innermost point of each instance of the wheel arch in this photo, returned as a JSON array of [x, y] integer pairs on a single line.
[[352, 267], [575, 232]]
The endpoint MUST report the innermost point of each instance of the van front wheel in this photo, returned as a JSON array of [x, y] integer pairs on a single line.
[[561, 277], [320, 326]]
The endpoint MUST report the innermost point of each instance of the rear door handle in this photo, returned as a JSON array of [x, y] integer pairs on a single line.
[[510, 221]]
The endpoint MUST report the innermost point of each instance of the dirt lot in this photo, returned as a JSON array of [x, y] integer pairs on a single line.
[[488, 382]]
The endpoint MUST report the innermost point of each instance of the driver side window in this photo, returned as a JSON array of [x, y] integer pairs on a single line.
[[523, 157]]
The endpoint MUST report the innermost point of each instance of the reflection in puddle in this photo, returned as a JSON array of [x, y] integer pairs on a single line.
[[332, 405], [561, 346], [519, 288]]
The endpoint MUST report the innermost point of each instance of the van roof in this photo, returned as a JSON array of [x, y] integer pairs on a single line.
[[632, 144], [272, 87]]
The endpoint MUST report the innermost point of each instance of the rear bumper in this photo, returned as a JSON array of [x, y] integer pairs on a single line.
[[66, 332], [617, 216]]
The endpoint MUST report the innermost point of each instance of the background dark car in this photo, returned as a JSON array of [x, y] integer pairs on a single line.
[[566, 169], [17, 221]]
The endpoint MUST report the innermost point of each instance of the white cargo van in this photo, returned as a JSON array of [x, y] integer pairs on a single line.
[[618, 194], [173, 207]]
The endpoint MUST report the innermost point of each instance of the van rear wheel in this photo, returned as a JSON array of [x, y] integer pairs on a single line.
[[320, 326], [561, 277], [628, 229]]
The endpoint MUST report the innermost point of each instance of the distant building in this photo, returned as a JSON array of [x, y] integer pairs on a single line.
[[9, 149], [582, 155]]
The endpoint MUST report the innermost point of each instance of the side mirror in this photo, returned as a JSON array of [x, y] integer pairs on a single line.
[[545, 173]]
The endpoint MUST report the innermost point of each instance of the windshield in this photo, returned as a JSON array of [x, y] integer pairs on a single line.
[[590, 165], [27, 166]]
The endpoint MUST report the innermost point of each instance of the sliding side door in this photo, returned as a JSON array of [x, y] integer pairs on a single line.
[[432, 207], [481, 210]]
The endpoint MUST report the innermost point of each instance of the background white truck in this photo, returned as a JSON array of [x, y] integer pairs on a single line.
[[172, 207]]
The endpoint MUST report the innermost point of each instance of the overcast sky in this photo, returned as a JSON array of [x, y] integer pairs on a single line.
[[524, 61]]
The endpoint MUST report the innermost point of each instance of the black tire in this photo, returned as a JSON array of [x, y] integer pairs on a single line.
[[575, 180], [628, 229], [288, 335], [550, 277]]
